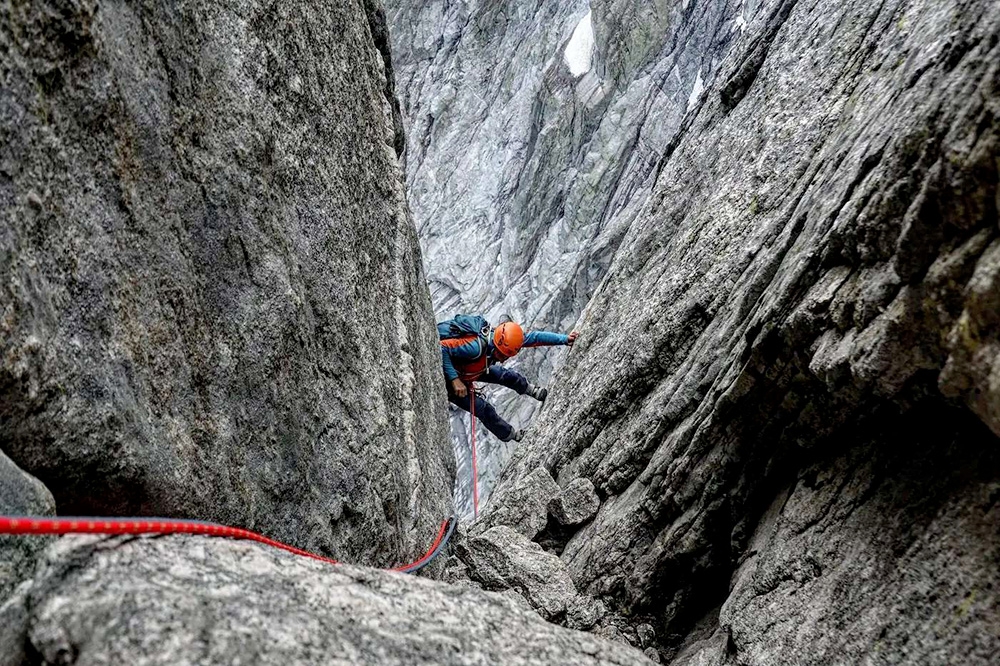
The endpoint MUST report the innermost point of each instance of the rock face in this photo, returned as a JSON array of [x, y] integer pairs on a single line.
[[211, 296], [918, 519], [786, 388], [777, 219], [192, 600], [20, 494], [535, 133]]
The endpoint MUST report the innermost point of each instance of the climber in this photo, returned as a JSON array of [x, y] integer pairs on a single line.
[[472, 351]]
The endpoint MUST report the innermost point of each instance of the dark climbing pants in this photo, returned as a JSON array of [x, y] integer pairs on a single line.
[[497, 374]]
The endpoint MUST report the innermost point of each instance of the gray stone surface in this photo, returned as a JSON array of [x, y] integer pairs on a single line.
[[576, 503], [523, 178], [502, 558], [23, 495], [525, 508], [777, 220], [181, 600], [811, 277], [211, 295], [895, 547]]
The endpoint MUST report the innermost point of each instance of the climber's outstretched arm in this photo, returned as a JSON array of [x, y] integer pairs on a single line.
[[546, 339]]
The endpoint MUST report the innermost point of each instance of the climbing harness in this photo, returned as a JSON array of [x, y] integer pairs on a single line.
[[41, 525], [475, 466], [472, 370]]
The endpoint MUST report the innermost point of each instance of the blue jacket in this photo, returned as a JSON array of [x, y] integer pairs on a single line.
[[472, 351]]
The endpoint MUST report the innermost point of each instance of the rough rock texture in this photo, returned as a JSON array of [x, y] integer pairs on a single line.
[[526, 506], [20, 494], [502, 558], [523, 178], [211, 294], [191, 600], [919, 521], [576, 503], [801, 315]]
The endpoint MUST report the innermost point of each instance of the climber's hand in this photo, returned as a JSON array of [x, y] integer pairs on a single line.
[[572, 338], [459, 388]]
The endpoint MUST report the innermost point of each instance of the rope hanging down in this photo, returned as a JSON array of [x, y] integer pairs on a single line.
[[41, 525], [475, 466]]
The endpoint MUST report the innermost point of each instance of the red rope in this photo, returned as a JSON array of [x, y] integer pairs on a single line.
[[42, 525], [475, 466], [428, 555]]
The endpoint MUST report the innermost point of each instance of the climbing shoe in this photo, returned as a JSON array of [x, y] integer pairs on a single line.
[[537, 392], [517, 435]]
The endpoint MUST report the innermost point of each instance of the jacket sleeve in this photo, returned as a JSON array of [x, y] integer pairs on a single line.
[[544, 339], [450, 372]]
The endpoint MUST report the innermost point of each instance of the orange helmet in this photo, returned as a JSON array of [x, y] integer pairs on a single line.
[[508, 338]]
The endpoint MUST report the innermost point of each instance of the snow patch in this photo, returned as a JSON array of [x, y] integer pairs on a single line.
[[741, 21], [579, 52], [696, 92]]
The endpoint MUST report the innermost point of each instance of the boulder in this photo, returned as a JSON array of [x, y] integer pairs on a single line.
[[179, 599], [502, 559], [20, 495], [525, 508], [576, 503]]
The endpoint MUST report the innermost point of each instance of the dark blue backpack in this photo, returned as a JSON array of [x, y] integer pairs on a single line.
[[463, 326]]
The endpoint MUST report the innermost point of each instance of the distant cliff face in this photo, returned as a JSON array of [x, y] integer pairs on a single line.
[[535, 131], [785, 392], [211, 297]]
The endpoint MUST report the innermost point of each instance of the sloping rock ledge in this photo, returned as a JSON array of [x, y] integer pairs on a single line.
[[181, 599]]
